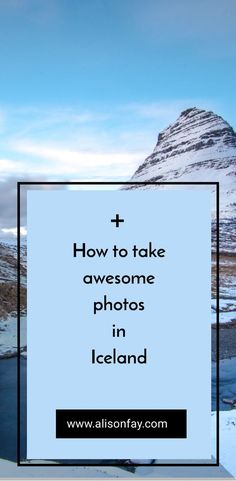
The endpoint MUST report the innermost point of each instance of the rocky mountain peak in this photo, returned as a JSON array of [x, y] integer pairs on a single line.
[[196, 129], [200, 146]]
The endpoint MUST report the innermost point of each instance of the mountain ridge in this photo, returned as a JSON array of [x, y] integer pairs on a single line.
[[200, 146]]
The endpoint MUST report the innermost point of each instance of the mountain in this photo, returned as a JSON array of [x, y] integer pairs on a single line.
[[8, 279], [8, 298], [201, 146]]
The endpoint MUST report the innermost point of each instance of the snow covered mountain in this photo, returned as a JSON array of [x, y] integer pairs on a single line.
[[199, 146]]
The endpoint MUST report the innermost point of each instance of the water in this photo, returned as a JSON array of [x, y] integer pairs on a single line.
[[227, 382], [8, 407], [8, 401], [8, 412]]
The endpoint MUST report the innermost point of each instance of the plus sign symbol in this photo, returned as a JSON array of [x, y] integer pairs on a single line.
[[117, 220]]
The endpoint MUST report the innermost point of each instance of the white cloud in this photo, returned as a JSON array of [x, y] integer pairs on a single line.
[[51, 161], [13, 231], [73, 142], [9, 166], [75, 159]]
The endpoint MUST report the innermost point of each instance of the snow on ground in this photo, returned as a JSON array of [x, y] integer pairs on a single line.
[[227, 439], [227, 310], [8, 335], [226, 317], [10, 470]]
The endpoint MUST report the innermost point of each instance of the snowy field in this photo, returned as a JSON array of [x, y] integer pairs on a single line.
[[8, 335], [10, 470], [227, 310], [227, 439]]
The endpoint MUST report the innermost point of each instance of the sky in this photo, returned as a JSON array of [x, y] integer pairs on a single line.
[[87, 85]]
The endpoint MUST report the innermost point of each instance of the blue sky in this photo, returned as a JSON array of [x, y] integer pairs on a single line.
[[86, 85]]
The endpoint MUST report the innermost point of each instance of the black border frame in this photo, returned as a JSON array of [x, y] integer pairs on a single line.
[[122, 465]]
